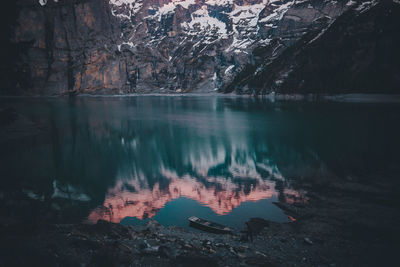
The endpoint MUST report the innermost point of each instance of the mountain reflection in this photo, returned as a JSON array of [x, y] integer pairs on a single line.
[[112, 158], [221, 195], [217, 157]]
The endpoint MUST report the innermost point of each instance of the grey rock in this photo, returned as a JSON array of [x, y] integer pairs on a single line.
[[308, 241], [94, 47]]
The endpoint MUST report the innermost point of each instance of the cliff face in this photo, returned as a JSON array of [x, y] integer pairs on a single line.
[[200, 45], [358, 52], [62, 47], [124, 46], [56, 47]]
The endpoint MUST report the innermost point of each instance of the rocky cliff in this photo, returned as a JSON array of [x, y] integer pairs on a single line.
[[55, 47], [199, 45], [358, 52], [60, 47]]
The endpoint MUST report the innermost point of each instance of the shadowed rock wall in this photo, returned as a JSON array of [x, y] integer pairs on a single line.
[[60, 48], [357, 53]]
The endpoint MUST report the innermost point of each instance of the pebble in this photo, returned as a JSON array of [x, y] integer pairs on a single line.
[[308, 241]]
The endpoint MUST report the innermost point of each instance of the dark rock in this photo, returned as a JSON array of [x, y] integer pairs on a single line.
[[112, 230], [260, 261], [168, 252], [258, 224], [308, 241], [152, 224], [78, 46], [195, 261], [63, 48], [7, 116], [356, 53]]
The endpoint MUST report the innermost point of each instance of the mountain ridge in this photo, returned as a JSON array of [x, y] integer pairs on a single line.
[[138, 46], [355, 53]]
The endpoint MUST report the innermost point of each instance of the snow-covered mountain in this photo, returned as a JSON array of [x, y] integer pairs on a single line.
[[57, 47], [355, 53], [199, 45]]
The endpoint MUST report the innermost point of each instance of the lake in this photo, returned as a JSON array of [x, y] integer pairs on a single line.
[[227, 159]]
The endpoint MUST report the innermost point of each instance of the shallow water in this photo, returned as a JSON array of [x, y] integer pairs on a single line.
[[128, 159]]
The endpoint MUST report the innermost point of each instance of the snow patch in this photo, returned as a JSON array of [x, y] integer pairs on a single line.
[[44, 2], [120, 15], [170, 7], [245, 21], [246, 14], [351, 3], [202, 22], [229, 69], [278, 13], [125, 43], [219, 2], [364, 6], [133, 5], [240, 44]]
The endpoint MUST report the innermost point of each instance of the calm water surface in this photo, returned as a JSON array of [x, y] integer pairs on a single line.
[[129, 159]]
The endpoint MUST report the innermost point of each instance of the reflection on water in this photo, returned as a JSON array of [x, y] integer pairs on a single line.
[[219, 194], [124, 158]]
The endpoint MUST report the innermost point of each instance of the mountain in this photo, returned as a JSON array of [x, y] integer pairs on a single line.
[[358, 52], [56, 47], [198, 45]]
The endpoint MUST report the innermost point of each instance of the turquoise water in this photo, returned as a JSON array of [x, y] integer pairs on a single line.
[[129, 159]]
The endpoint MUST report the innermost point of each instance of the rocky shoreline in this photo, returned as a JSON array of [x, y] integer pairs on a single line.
[[343, 224]]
